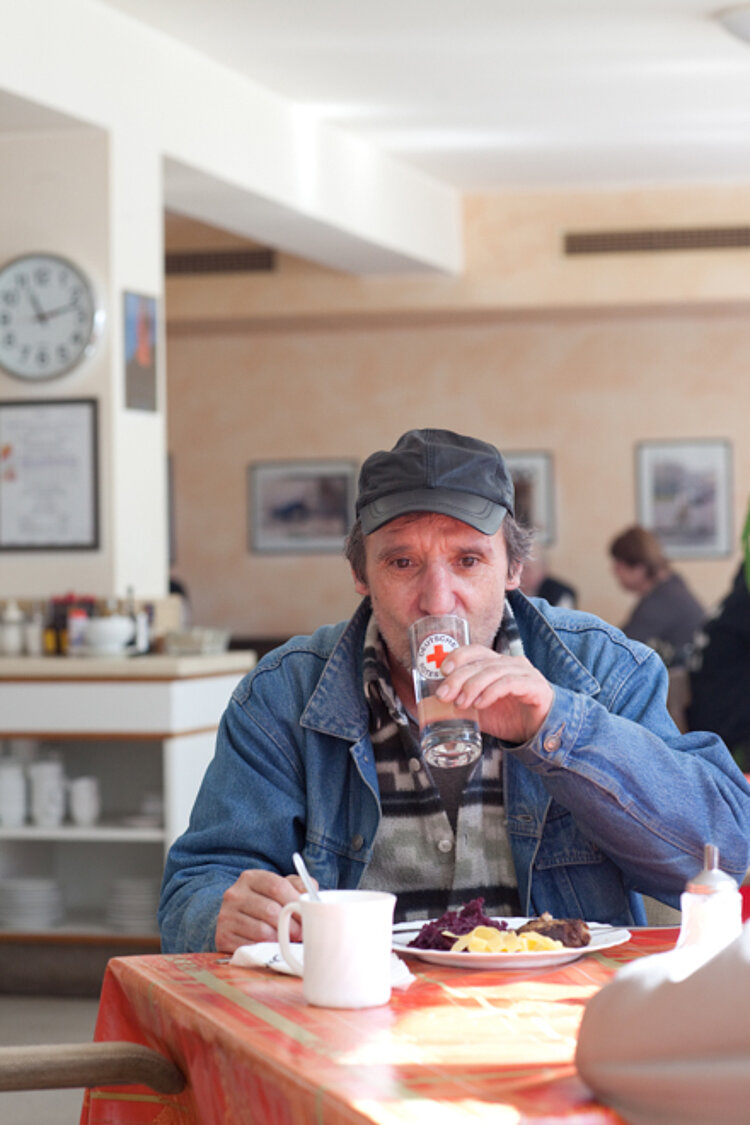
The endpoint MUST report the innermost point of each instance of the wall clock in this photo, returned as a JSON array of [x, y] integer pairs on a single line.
[[49, 316]]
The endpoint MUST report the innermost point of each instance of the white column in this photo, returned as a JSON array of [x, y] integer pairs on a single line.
[[138, 506]]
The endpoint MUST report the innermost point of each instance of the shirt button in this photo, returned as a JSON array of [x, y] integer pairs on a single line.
[[415, 765], [357, 842], [552, 743], [445, 846]]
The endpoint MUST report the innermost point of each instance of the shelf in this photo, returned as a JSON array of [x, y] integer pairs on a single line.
[[71, 833], [144, 728], [77, 924]]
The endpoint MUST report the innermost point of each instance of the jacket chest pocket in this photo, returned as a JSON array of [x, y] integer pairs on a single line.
[[563, 843]]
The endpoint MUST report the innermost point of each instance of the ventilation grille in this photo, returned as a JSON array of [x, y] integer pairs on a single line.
[[220, 261], [655, 241]]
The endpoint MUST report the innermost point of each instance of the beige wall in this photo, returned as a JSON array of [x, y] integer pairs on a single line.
[[307, 364], [65, 212]]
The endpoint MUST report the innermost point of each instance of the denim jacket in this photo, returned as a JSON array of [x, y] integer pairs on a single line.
[[606, 802]]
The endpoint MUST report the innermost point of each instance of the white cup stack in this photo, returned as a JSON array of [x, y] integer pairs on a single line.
[[85, 800], [12, 794], [47, 793]]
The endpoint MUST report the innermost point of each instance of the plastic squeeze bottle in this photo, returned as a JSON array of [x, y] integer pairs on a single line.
[[711, 908]]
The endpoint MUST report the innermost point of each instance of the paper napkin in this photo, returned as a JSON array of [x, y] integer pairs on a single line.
[[266, 954]]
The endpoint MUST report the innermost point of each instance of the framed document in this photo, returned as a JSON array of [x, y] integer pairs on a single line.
[[49, 494]]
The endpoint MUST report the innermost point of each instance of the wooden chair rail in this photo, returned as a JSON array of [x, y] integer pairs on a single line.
[[68, 1065]]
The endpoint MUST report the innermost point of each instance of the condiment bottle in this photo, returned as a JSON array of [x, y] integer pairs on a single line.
[[12, 629], [711, 908], [33, 636], [77, 622], [50, 630]]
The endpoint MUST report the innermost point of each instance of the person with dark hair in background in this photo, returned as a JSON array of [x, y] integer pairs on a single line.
[[178, 587], [667, 615], [586, 795]]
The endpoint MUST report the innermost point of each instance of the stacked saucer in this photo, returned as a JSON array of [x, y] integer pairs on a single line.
[[30, 903], [132, 904]]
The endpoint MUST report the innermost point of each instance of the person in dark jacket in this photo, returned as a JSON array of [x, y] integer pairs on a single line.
[[537, 582], [720, 672], [667, 615]]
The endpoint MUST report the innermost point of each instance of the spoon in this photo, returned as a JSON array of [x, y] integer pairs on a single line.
[[304, 875]]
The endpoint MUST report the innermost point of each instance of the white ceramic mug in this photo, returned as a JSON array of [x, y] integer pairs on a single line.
[[85, 800], [47, 793], [346, 947]]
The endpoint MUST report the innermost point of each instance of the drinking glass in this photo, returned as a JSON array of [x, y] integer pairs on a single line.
[[449, 736]]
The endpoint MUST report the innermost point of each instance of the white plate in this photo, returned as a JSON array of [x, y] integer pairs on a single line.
[[602, 937]]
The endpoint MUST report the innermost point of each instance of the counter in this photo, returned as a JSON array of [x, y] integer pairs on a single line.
[[155, 695], [156, 667]]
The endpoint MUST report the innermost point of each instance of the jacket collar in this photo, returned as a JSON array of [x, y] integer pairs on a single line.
[[545, 647], [337, 706]]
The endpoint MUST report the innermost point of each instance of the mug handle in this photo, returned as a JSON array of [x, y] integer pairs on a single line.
[[285, 944]]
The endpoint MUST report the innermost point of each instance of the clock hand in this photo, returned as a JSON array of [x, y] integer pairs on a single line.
[[60, 309], [41, 315]]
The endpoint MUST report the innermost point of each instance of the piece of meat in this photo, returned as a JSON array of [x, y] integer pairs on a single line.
[[570, 931]]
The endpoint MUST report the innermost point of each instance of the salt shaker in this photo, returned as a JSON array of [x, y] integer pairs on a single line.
[[711, 908]]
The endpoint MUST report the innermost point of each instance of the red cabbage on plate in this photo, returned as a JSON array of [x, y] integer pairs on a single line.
[[456, 922]]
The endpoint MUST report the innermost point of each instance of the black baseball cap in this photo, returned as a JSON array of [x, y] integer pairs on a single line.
[[436, 471]]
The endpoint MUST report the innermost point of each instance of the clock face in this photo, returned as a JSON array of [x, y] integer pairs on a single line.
[[49, 319]]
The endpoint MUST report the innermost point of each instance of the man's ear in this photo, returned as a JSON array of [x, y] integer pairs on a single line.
[[513, 581], [360, 586]]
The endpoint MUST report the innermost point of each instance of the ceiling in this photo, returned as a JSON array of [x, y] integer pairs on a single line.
[[493, 94]]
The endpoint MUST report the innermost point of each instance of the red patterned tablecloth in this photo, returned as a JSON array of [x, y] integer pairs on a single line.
[[457, 1046]]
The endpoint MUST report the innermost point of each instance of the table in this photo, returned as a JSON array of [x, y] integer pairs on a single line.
[[456, 1046]]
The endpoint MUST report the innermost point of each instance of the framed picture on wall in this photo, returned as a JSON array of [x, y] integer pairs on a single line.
[[297, 507], [49, 488], [532, 479], [139, 313], [684, 495]]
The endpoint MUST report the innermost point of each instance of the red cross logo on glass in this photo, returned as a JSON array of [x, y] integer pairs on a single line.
[[432, 652]]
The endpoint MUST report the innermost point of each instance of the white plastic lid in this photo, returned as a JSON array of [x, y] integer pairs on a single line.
[[711, 880]]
